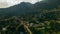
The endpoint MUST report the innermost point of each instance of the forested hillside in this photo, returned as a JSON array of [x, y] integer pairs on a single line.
[[26, 18]]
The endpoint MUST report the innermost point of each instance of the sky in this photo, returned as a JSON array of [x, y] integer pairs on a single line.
[[8, 3]]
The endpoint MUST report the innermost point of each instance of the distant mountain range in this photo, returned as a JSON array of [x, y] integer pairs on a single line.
[[26, 8]]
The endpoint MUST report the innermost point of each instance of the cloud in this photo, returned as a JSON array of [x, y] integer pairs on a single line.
[[31, 1], [3, 5]]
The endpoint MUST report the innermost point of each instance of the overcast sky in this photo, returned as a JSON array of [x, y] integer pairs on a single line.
[[6, 3]]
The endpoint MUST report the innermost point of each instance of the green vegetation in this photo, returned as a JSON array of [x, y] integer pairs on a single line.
[[14, 26], [26, 18]]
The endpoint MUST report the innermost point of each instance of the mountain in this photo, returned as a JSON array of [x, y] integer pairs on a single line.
[[48, 4], [19, 9], [26, 8]]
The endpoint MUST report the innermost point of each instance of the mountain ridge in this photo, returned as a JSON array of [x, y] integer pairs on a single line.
[[28, 8]]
